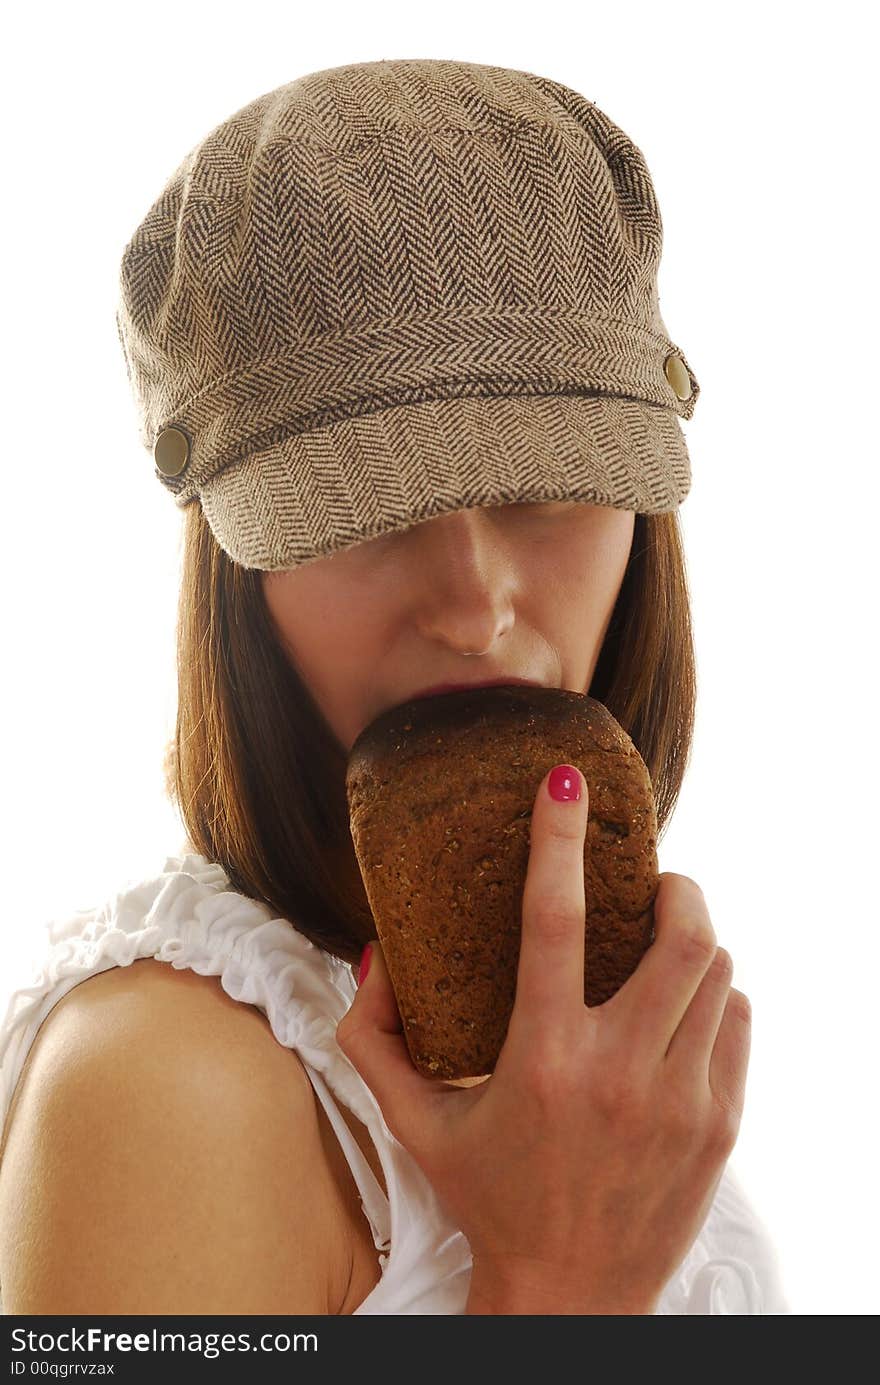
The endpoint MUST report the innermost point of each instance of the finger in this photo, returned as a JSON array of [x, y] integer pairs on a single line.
[[694, 1039], [652, 1003], [550, 970], [371, 1036], [730, 1056]]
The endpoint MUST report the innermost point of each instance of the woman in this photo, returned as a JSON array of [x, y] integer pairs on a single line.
[[395, 336]]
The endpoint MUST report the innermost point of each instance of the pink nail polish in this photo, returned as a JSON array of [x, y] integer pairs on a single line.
[[565, 784], [365, 963]]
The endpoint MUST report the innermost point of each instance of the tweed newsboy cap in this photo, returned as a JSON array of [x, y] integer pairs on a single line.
[[393, 289]]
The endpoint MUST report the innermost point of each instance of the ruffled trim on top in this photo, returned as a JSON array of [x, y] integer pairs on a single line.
[[190, 917]]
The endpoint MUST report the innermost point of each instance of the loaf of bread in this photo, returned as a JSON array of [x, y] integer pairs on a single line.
[[440, 794]]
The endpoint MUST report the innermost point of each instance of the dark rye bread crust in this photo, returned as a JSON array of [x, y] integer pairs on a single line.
[[440, 793]]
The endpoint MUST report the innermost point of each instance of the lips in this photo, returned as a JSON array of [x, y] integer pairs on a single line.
[[439, 688]]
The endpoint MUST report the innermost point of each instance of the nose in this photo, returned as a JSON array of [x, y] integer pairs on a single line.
[[464, 581]]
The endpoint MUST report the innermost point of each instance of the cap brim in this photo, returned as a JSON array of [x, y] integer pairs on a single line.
[[361, 477]]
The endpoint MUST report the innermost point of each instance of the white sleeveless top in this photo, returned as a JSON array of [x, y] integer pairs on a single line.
[[189, 916]]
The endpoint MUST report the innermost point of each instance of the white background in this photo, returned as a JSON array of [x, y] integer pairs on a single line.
[[761, 136]]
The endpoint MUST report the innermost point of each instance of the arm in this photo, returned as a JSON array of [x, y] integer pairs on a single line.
[[518, 1297], [164, 1156]]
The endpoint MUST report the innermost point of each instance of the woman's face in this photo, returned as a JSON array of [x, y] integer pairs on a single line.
[[529, 587]]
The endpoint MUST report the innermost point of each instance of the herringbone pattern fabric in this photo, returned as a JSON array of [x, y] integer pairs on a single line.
[[392, 289]]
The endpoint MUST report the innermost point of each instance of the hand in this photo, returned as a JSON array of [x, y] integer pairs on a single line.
[[583, 1168]]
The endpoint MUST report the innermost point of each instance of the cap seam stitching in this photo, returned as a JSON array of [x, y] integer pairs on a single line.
[[488, 131], [186, 402], [280, 432]]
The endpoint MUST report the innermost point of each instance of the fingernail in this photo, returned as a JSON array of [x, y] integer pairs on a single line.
[[565, 784], [365, 963]]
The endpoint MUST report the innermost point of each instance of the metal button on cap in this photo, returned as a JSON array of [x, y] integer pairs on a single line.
[[171, 451], [676, 373]]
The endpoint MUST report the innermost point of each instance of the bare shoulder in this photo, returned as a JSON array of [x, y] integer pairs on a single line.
[[150, 1017], [146, 981], [163, 1154]]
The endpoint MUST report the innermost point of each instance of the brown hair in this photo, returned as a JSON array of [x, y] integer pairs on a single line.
[[258, 776]]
